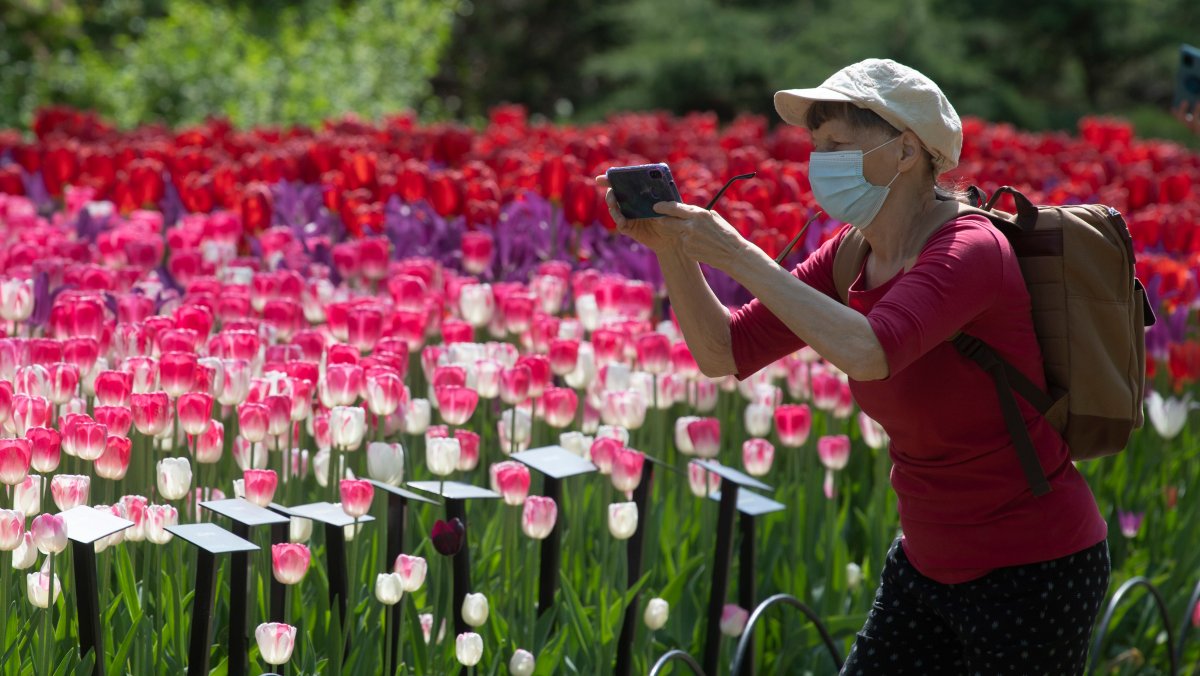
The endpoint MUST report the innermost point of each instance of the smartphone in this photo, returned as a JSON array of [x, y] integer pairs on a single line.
[[639, 188], [1187, 82]]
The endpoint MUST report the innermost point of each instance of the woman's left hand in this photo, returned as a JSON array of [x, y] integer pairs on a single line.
[[702, 235]]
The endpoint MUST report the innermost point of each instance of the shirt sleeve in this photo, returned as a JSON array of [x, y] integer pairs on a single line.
[[957, 276], [758, 337]]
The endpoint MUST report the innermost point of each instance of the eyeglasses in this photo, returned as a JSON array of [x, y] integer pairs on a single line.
[[791, 245]]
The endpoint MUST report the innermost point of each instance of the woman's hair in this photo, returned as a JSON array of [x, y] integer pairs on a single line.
[[862, 119]]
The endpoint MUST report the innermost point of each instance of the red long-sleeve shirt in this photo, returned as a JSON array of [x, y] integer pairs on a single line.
[[965, 505]]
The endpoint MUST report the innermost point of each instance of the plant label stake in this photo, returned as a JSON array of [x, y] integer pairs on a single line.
[[731, 481], [335, 521], [84, 526], [245, 515], [455, 495], [397, 508], [210, 540]]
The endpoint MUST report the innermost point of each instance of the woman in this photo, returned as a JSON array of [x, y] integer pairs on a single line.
[[986, 578]]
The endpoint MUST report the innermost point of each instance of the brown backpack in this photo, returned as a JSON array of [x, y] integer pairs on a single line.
[[1089, 312]]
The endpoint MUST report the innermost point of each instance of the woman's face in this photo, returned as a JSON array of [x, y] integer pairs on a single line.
[[879, 167]]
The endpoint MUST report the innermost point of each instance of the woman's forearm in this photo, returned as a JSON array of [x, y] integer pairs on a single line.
[[702, 318], [842, 336]]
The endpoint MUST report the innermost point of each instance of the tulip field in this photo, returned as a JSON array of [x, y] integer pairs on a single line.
[[352, 337]]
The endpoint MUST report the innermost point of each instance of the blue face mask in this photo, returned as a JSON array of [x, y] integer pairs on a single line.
[[841, 189]]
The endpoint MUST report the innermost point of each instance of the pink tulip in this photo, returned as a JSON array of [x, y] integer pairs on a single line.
[[385, 391], [412, 571], [701, 481], [62, 382], [826, 388], [177, 373], [49, 533], [793, 422], [559, 405], [275, 642], [145, 374], [654, 352], [356, 496], [259, 485], [118, 419], [834, 451], [158, 517], [289, 562], [627, 468], [114, 462], [705, 435], [135, 510], [682, 361], [16, 299], [235, 382], [12, 529], [873, 434], [457, 404], [511, 479], [514, 384], [33, 379], [468, 449], [15, 455], [210, 445], [45, 445], [602, 451], [564, 355], [253, 421], [113, 388], [29, 411], [477, 248], [88, 438], [343, 383], [757, 456], [733, 619], [70, 490], [151, 413], [539, 373], [195, 410], [538, 517]]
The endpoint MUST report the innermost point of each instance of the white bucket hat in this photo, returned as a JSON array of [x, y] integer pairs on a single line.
[[902, 96]]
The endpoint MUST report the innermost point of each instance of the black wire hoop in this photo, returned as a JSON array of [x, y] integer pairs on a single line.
[[1159, 604], [676, 655], [739, 656]]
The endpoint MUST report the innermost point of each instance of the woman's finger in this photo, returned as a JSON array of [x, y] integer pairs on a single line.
[[678, 209], [602, 181]]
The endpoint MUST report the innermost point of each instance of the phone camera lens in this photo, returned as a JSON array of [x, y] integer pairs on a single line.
[[655, 173]]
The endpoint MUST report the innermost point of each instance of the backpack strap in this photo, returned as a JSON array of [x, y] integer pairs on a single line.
[[848, 261], [1007, 379]]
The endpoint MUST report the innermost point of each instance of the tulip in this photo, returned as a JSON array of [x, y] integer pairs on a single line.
[[477, 304], [448, 536], [834, 451], [1131, 522], [15, 456], [757, 456], [86, 438], [456, 404], [38, 588], [253, 420], [539, 516], [873, 434], [622, 519], [626, 408], [563, 355], [511, 479], [702, 482], [385, 462], [289, 562], [25, 555], [417, 416], [347, 427], [475, 609], [576, 442], [275, 642], [758, 420], [468, 449], [62, 382], [388, 589], [854, 576], [705, 435], [158, 517], [477, 247], [468, 648], [356, 496], [656, 614], [118, 419], [70, 490], [653, 352], [603, 451], [249, 456], [627, 468], [385, 392], [558, 406], [826, 387], [12, 528], [441, 455], [412, 571], [235, 382], [279, 413], [259, 486], [151, 413], [16, 299], [522, 663], [733, 619], [793, 422], [1168, 415], [174, 478], [211, 443], [29, 411], [49, 533], [299, 530], [515, 430], [342, 384], [113, 388], [135, 510]]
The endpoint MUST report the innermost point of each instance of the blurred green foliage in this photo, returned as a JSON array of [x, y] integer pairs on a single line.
[[255, 62]]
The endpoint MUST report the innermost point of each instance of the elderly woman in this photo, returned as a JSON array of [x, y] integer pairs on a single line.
[[986, 577]]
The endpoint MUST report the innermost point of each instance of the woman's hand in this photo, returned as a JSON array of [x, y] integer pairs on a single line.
[[1190, 117], [701, 235], [649, 232]]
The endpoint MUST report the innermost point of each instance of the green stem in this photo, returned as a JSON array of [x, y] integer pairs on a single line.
[[48, 623], [5, 581]]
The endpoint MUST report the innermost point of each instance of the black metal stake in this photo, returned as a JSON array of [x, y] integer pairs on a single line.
[[88, 603], [239, 592], [335, 563], [202, 610], [462, 566], [395, 544], [279, 535], [551, 554], [720, 578], [633, 562], [746, 579]]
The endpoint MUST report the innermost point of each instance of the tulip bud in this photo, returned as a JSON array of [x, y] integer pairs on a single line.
[[656, 614], [70, 490], [15, 456], [38, 587], [757, 456], [347, 427], [442, 455], [158, 517], [299, 530], [45, 445], [468, 648], [539, 516], [622, 519], [12, 528], [417, 417], [289, 562], [733, 619], [27, 495], [475, 609], [627, 468], [258, 486], [49, 533], [448, 537], [388, 589], [412, 571], [174, 478], [151, 413], [522, 663], [275, 642], [25, 555], [211, 444], [356, 496], [511, 479], [385, 462]]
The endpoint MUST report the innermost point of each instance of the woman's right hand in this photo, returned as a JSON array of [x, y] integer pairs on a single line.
[[649, 232]]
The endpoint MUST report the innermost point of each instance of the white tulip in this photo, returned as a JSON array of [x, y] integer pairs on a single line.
[[656, 614], [475, 609]]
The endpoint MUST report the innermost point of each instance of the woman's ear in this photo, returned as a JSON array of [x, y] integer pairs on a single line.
[[911, 151]]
